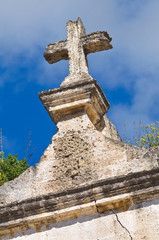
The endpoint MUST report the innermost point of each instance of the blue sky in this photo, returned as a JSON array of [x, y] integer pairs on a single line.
[[128, 74]]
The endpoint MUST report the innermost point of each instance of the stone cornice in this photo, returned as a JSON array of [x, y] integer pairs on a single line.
[[117, 193], [86, 96]]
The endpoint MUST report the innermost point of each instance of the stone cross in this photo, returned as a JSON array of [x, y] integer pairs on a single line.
[[75, 49]]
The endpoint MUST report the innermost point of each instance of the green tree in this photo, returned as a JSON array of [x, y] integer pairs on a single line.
[[11, 167]]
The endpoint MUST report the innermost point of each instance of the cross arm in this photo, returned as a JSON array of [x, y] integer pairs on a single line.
[[96, 41], [56, 52]]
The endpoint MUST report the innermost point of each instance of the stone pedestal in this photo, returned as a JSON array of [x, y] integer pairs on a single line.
[[87, 97], [88, 184]]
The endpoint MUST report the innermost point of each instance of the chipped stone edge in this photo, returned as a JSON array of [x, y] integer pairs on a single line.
[[87, 96], [118, 193]]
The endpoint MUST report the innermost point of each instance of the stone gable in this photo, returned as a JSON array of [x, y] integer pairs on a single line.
[[88, 184]]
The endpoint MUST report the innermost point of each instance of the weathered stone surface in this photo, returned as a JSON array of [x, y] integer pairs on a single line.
[[86, 170], [75, 49], [86, 96], [106, 215], [114, 193], [107, 128], [78, 154], [89, 185]]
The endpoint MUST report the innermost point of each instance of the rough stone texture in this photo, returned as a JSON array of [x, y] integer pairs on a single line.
[[107, 128], [86, 96], [140, 222], [117, 193], [88, 183], [75, 49], [78, 154], [86, 170]]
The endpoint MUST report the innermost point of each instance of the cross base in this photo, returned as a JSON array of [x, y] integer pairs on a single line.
[[76, 79], [66, 101]]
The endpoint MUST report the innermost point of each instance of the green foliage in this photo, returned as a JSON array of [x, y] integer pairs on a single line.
[[11, 167], [150, 135], [147, 136]]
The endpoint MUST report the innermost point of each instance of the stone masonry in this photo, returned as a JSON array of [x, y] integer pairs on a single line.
[[88, 185], [75, 49]]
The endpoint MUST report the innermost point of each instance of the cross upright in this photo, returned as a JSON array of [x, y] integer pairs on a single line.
[[75, 49]]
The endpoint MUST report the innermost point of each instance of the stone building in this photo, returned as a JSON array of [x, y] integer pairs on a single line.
[[88, 183]]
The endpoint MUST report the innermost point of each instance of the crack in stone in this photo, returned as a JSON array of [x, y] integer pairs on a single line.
[[95, 204], [117, 218]]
